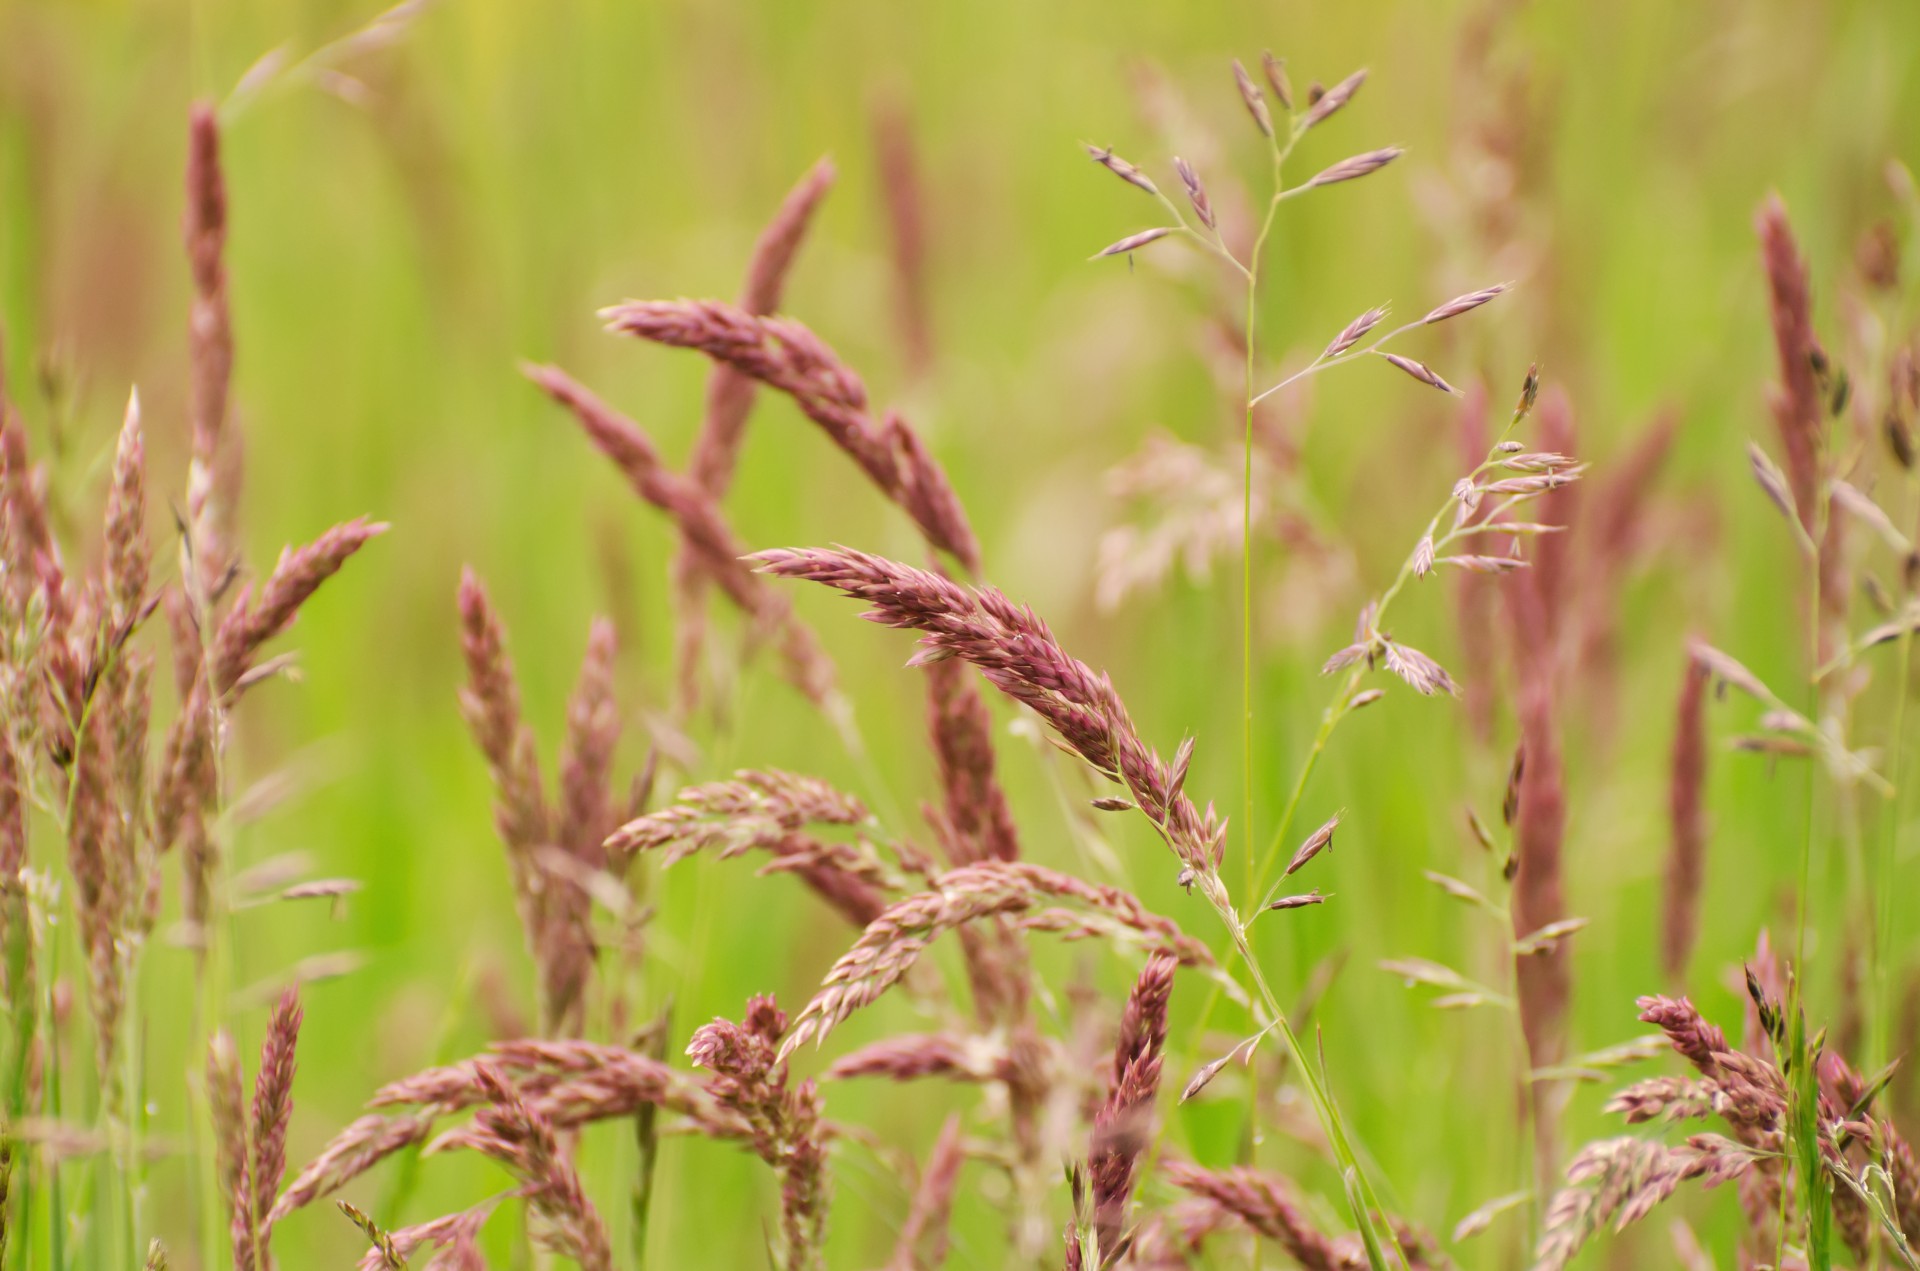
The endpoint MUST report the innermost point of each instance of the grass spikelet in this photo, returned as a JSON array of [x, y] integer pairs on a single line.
[[1353, 168], [1334, 98]]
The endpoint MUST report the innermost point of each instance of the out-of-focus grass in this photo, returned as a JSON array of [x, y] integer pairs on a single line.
[[515, 166]]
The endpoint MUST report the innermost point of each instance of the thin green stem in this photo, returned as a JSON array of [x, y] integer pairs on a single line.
[[1246, 507], [1250, 327], [1337, 709], [1323, 362], [1367, 1204]]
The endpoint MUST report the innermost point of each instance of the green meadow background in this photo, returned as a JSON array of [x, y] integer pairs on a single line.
[[499, 171]]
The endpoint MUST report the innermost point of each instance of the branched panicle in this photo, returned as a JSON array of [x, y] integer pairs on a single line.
[[1020, 657], [1665, 1098], [786, 356], [754, 810], [1123, 1126], [567, 1083], [768, 811], [1619, 1181]]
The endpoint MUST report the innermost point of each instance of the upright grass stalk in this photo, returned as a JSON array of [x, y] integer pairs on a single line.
[[1256, 258], [1206, 235]]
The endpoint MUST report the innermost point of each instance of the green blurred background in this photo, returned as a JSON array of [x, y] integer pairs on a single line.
[[497, 171]]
